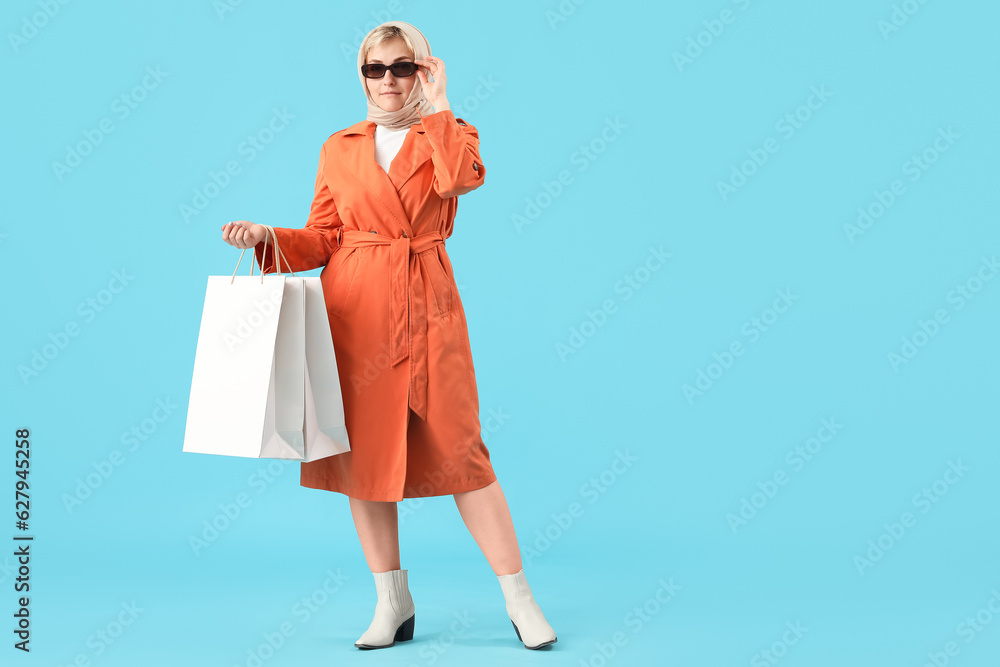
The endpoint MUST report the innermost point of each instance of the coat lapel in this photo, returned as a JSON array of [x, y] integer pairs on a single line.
[[385, 187]]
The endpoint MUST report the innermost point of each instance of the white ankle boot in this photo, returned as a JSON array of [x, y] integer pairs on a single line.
[[529, 622], [394, 612]]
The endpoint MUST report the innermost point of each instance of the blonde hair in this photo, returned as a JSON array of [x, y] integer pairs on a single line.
[[382, 34]]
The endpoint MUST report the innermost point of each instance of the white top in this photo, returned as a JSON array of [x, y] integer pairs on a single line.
[[387, 144]]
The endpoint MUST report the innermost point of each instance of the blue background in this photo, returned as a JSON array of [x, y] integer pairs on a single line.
[[576, 388]]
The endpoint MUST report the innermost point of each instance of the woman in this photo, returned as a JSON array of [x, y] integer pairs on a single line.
[[385, 200]]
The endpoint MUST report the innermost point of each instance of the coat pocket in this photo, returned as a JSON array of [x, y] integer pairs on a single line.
[[338, 280], [440, 280]]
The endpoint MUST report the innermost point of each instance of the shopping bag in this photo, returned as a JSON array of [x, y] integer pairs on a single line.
[[265, 382], [325, 426], [324, 432]]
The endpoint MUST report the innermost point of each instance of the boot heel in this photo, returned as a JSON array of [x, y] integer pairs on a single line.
[[405, 631], [516, 630]]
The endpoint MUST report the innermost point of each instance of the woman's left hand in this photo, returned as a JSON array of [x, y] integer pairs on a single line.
[[434, 91]]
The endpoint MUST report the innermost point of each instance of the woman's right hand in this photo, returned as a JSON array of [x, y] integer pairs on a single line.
[[243, 233]]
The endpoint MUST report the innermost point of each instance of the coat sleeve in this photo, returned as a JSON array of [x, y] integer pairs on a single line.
[[457, 166], [312, 246]]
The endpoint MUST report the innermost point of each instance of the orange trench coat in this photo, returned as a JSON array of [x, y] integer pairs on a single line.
[[399, 329]]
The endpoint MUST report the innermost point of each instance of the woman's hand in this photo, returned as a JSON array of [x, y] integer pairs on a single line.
[[434, 91], [243, 233]]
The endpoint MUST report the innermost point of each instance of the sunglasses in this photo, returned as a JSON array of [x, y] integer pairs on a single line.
[[377, 70]]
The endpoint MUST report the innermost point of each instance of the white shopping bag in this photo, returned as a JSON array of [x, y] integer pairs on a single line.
[[265, 381], [325, 427]]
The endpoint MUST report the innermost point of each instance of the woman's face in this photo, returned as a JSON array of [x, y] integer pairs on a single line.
[[390, 92]]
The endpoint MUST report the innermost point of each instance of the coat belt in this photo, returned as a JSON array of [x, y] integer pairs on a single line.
[[407, 311]]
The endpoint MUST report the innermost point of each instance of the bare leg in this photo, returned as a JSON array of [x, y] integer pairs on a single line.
[[487, 517], [378, 529]]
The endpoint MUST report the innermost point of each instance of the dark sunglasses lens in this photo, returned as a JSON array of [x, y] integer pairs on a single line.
[[373, 70], [404, 69]]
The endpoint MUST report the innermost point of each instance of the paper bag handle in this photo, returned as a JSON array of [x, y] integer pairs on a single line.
[[278, 256]]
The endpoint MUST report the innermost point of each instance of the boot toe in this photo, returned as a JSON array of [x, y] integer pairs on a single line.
[[379, 633]]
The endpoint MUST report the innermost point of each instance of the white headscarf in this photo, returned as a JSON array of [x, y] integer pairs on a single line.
[[416, 103]]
